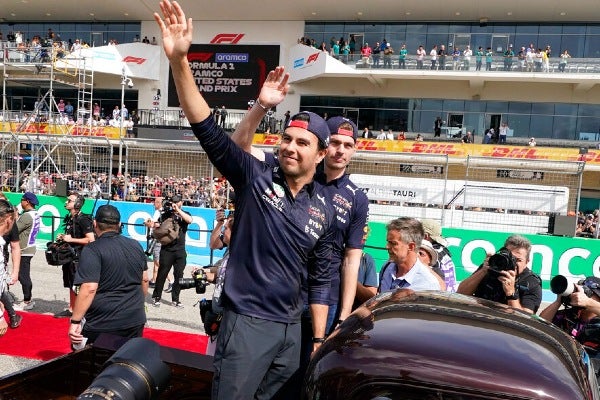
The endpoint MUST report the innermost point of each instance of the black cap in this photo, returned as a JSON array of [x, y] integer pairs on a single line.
[[108, 214], [31, 198], [176, 198], [335, 123]]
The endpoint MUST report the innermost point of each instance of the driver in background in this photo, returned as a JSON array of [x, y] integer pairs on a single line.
[[519, 288]]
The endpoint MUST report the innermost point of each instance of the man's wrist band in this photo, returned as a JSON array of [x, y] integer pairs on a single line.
[[318, 339], [265, 109], [76, 321], [514, 296]]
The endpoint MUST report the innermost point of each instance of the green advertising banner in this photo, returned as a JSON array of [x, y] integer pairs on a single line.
[[52, 211], [550, 255]]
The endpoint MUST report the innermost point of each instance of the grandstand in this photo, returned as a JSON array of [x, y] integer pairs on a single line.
[[559, 109]]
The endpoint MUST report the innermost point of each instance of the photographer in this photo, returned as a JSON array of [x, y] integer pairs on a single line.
[[580, 307], [172, 254], [79, 231], [513, 284]]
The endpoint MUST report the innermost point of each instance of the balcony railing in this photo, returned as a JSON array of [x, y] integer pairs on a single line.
[[555, 65]]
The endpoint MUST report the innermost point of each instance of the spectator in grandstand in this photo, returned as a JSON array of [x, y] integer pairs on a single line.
[[388, 52], [376, 53], [366, 133], [587, 228], [402, 56], [564, 59], [382, 135], [531, 142], [519, 288], [442, 57], [456, 58], [419, 138], [468, 138], [503, 133], [467, 54], [489, 57], [479, 58]]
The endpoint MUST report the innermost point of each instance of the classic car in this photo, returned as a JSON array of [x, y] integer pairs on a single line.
[[438, 345]]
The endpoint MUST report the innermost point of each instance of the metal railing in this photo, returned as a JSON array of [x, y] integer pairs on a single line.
[[496, 64]]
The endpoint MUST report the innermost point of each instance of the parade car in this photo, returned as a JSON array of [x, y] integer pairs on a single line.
[[437, 345], [398, 345]]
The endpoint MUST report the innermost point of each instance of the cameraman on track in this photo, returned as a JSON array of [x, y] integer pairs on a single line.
[[516, 286], [580, 307], [172, 254]]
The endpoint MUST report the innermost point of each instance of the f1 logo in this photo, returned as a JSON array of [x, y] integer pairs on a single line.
[[201, 57], [231, 38], [312, 58], [137, 60]]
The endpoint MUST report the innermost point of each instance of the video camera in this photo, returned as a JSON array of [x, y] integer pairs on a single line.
[[167, 207], [503, 260], [563, 287], [199, 281]]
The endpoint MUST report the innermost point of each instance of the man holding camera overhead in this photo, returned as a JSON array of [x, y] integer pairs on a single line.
[[172, 254], [505, 278]]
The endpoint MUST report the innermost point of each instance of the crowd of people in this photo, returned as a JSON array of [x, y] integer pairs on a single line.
[[194, 191], [49, 46], [300, 229], [382, 55]]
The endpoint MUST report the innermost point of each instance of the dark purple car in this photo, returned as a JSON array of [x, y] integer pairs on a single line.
[[436, 345]]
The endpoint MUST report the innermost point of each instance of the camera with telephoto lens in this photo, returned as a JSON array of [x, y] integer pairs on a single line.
[[134, 372], [199, 281], [562, 286], [503, 260], [167, 207]]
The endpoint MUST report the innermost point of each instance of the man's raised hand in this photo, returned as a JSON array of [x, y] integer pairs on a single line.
[[176, 30]]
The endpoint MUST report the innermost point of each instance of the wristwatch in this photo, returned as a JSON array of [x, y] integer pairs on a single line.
[[514, 296]]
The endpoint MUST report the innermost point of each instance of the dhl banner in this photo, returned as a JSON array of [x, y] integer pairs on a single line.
[[44, 128], [461, 150]]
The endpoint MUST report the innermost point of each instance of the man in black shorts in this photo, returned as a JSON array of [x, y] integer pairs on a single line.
[[79, 231]]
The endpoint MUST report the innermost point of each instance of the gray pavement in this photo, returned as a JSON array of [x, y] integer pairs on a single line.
[[50, 297]]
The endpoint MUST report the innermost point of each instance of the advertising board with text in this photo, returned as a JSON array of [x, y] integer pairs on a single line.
[[229, 75]]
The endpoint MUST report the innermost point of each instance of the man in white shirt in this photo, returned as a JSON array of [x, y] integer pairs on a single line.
[[405, 269]]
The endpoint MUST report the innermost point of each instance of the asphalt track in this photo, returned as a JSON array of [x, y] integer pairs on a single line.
[[50, 297]]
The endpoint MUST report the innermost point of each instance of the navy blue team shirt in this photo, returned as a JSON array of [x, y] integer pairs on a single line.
[[278, 242], [352, 214], [351, 218]]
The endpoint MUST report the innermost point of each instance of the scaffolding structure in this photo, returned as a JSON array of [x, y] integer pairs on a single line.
[[43, 68]]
